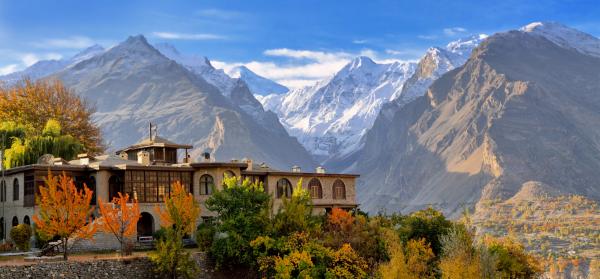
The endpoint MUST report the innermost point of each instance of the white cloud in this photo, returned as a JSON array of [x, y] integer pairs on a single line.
[[219, 13], [29, 59], [359, 42], [451, 31], [187, 36], [307, 54], [74, 42], [8, 69]]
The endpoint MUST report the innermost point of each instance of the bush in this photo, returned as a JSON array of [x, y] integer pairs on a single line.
[[205, 234], [21, 234]]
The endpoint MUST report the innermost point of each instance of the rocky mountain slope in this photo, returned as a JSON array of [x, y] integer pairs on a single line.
[[523, 108], [133, 83]]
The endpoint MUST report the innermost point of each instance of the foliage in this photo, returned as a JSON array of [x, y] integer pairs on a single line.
[[205, 234], [64, 211], [346, 263], [178, 219], [428, 224], [295, 214], [459, 259], [119, 218], [243, 215], [28, 150], [34, 103], [513, 261], [12, 131], [170, 257], [21, 234]]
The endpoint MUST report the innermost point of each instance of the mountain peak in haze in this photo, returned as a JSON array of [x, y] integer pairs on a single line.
[[565, 36]]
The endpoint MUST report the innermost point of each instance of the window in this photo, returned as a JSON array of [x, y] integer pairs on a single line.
[[16, 189], [316, 191], [228, 174], [339, 190], [2, 191], [2, 234], [154, 186], [15, 221], [115, 186], [29, 191], [284, 188], [206, 184], [26, 220]]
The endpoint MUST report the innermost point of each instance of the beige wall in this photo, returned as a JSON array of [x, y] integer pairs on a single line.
[[12, 208], [217, 175], [326, 184]]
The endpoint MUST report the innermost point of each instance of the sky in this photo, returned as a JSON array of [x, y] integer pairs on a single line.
[[293, 42]]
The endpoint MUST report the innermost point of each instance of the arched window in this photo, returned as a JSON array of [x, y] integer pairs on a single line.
[[284, 188], [145, 225], [316, 190], [16, 189], [339, 190], [228, 173], [2, 191], [206, 184], [15, 221], [26, 220]]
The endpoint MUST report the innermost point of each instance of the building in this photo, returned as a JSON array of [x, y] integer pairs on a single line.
[[146, 171]]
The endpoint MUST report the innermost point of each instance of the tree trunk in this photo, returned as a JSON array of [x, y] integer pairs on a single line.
[[65, 243]]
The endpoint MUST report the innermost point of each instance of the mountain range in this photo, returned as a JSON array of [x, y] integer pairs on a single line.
[[523, 109], [475, 120]]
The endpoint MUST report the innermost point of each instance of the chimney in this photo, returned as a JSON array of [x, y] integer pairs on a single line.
[[296, 169], [123, 155], [84, 159], [250, 164], [320, 169], [206, 157], [143, 158]]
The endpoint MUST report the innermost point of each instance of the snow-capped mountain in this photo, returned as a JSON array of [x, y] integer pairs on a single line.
[[47, 67], [436, 62], [565, 37], [330, 117], [226, 82], [258, 85], [133, 83]]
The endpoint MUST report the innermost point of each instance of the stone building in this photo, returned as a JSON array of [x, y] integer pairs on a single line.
[[147, 170]]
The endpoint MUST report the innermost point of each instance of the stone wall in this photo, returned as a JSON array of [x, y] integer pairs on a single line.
[[109, 269]]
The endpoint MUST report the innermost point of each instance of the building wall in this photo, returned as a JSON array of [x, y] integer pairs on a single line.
[[11, 208], [217, 174]]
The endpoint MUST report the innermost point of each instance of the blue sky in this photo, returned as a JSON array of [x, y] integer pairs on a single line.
[[294, 42]]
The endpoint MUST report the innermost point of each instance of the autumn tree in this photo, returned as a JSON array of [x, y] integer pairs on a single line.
[[178, 218], [64, 210], [34, 103], [119, 218]]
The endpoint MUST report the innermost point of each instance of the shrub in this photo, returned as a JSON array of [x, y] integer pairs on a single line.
[[21, 234], [205, 234]]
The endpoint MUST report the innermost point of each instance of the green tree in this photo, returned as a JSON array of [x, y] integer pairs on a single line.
[[21, 234], [27, 150], [428, 224], [295, 214], [243, 215]]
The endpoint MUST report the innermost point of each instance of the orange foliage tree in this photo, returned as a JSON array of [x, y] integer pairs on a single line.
[[119, 218], [180, 211], [178, 218], [64, 210], [35, 102]]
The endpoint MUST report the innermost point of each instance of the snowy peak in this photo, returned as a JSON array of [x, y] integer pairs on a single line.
[[87, 53], [257, 84], [565, 36], [464, 46]]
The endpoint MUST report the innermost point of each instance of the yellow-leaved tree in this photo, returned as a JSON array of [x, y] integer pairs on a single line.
[[64, 210], [120, 218], [178, 218]]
